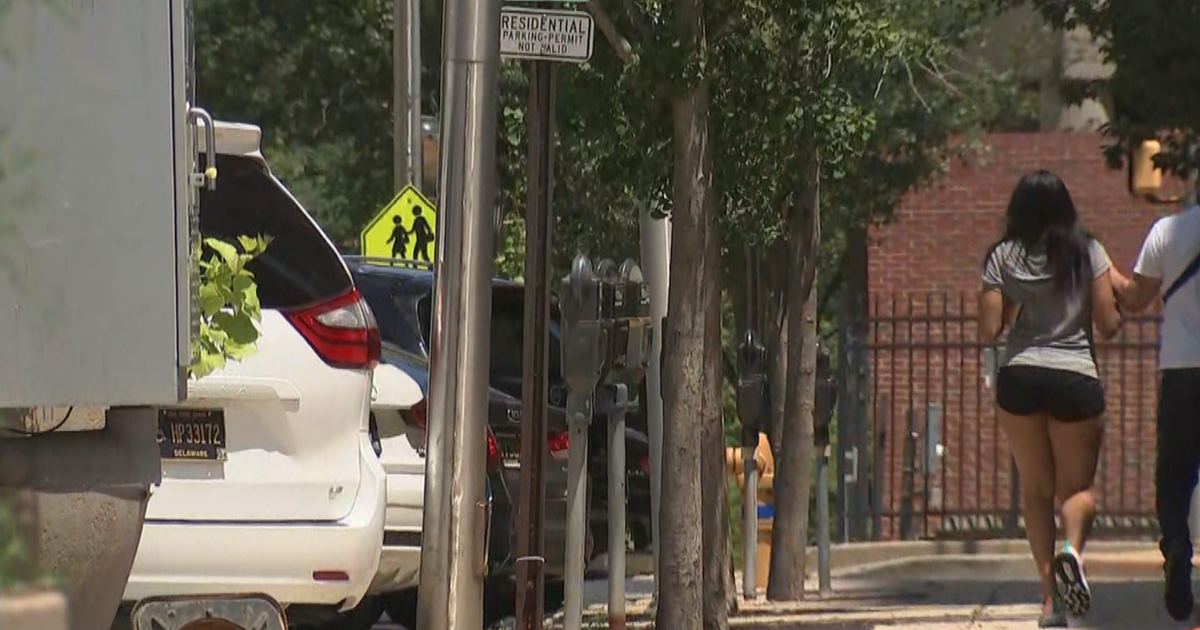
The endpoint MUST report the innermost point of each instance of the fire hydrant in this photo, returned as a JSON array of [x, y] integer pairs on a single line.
[[765, 501]]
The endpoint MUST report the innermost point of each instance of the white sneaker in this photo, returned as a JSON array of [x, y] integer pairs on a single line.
[[1071, 583]]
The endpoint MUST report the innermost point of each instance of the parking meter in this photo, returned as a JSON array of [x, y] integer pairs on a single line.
[[825, 397], [635, 327], [753, 389], [584, 338], [753, 407], [584, 350], [612, 308]]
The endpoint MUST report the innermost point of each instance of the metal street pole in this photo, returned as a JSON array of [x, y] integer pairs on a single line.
[[616, 504], [656, 259], [406, 86], [450, 596], [535, 378], [750, 449], [823, 575]]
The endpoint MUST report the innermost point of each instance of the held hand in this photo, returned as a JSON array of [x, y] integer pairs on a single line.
[[1011, 309]]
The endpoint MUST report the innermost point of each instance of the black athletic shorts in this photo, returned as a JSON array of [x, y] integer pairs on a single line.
[[1068, 396]]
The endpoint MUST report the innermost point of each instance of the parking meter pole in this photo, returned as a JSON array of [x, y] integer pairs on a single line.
[[584, 348], [823, 406], [579, 411], [453, 558], [753, 408], [535, 378], [823, 576], [749, 524], [751, 405], [616, 506]]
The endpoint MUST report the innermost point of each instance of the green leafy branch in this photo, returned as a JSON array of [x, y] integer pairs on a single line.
[[229, 308]]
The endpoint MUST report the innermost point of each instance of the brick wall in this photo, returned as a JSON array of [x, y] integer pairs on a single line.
[[924, 277]]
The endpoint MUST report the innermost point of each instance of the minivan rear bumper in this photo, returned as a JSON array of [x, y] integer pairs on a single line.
[[281, 559], [400, 561]]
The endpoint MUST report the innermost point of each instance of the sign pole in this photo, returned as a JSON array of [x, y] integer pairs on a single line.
[[406, 101], [453, 556], [656, 258], [535, 379]]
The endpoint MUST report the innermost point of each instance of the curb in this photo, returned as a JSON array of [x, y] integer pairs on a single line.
[[1142, 564]]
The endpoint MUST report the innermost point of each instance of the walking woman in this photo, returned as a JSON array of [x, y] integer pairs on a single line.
[[1049, 282]]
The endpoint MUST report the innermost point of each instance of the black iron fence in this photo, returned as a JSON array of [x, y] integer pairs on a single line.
[[924, 455]]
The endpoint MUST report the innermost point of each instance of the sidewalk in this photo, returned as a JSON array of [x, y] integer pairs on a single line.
[[948, 592]]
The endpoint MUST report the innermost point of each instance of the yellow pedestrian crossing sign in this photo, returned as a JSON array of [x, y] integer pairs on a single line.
[[404, 230]]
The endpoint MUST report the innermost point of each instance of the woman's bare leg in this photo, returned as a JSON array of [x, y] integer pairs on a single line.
[[1076, 448], [1029, 439]]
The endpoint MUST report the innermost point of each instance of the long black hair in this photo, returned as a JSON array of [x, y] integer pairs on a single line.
[[1041, 214]]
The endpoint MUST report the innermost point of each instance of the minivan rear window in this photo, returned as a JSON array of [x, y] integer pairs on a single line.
[[300, 267], [508, 335]]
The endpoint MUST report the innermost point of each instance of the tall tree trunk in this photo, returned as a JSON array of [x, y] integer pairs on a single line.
[[714, 487], [689, 298], [794, 466]]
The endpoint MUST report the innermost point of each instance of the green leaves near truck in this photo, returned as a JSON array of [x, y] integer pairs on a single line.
[[229, 307]]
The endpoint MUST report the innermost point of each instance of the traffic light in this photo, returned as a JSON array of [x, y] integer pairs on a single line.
[[1145, 179]]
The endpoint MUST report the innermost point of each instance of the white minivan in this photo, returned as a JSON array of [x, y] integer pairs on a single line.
[[271, 480]]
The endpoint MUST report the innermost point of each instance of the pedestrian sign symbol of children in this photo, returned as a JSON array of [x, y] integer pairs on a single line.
[[423, 234], [399, 238], [404, 230]]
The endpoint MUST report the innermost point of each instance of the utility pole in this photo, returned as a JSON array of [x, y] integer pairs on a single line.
[[453, 558], [535, 379], [656, 261], [406, 87]]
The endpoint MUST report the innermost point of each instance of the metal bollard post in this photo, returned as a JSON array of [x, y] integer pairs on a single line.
[[579, 410], [750, 524], [823, 575], [616, 507], [825, 401]]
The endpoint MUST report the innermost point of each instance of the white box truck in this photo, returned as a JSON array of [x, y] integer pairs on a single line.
[[98, 220]]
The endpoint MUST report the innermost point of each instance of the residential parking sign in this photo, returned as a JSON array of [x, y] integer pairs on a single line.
[[546, 35]]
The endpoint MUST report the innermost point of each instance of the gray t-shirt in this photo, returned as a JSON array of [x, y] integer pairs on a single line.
[[1053, 327]]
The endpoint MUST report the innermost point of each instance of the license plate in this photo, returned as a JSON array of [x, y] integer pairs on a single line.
[[192, 434], [510, 452]]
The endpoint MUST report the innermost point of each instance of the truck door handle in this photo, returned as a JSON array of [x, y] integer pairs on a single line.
[[207, 179]]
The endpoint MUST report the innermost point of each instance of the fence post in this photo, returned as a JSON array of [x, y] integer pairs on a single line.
[[909, 481], [877, 465]]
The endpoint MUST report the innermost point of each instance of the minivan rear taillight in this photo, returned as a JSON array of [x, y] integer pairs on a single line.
[[342, 331]]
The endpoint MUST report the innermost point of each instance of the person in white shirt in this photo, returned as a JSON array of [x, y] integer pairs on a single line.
[[1167, 266]]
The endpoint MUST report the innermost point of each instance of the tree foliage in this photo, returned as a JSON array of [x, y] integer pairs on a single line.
[[1152, 47], [317, 76]]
